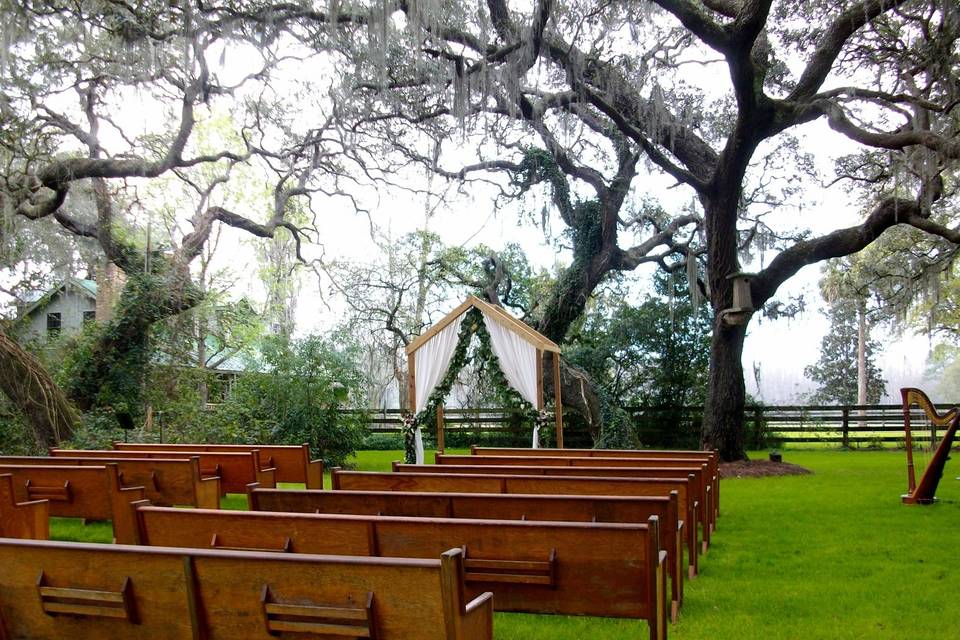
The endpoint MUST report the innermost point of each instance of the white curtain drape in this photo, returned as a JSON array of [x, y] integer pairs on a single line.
[[518, 359], [418, 445], [536, 437], [432, 362], [433, 359]]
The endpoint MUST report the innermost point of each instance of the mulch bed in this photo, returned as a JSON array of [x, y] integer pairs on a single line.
[[760, 469]]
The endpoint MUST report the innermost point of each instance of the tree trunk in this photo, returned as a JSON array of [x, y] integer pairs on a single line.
[[726, 393], [32, 390], [723, 424], [576, 391], [862, 357]]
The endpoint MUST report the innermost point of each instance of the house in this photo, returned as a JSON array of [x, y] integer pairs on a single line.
[[62, 310]]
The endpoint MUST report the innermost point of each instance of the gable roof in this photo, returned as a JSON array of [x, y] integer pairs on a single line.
[[498, 314], [87, 288]]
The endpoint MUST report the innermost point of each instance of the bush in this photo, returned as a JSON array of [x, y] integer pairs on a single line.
[[383, 442], [16, 437], [297, 398]]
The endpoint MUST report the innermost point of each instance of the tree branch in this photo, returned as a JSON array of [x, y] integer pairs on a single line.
[[832, 42], [843, 242]]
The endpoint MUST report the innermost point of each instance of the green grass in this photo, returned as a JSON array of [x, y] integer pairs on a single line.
[[833, 556]]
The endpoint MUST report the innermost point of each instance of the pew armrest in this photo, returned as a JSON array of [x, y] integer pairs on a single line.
[[314, 474], [267, 477], [658, 625], [312, 469], [31, 521], [478, 618], [208, 493]]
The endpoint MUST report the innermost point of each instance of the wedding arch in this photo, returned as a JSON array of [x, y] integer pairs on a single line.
[[518, 349]]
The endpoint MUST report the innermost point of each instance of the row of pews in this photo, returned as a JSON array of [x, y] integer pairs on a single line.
[[424, 551]]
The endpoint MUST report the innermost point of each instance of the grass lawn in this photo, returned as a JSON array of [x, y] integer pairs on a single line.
[[832, 555]]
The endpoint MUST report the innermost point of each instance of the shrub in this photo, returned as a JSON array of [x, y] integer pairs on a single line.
[[383, 441], [297, 396]]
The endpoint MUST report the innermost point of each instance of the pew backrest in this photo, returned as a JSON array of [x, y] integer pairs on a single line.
[[292, 463], [54, 590], [702, 484], [620, 509], [166, 482], [515, 484], [581, 457], [235, 470], [573, 568], [89, 492]]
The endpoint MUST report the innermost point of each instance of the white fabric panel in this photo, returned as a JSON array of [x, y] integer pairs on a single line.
[[518, 359], [536, 437], [418, 445], [432, 361]]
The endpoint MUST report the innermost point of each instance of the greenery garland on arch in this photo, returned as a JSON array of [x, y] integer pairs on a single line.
[[507, 396]]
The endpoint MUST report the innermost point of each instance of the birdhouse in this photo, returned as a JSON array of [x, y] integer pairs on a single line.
[[742, 300], [742, 307]]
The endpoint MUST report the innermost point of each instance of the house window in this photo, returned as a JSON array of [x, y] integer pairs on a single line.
[[89, 316], [53, 324]]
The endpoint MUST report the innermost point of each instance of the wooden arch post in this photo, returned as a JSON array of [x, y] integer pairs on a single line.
[[558, 405], [557, 400]]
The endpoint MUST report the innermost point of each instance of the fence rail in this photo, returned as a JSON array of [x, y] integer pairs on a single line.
[[846, 425]]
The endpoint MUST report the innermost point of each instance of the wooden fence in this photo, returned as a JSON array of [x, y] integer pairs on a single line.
[[848, 426]]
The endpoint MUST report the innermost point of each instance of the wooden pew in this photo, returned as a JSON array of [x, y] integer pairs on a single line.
[[55, 590], [293, 463], [236, 470], [89, 492], [551, 485], [572, 568], [166, 482], [712, 458], [494, 507], [28, 520], [698, 459], [702, 487]]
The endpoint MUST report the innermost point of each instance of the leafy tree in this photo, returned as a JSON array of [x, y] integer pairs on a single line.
[[654, 354], [943, 368], [836, 370], [298, 395], [579, 100]]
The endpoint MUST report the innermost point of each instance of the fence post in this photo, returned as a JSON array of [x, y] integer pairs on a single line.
[[846, 427], [758, 427]]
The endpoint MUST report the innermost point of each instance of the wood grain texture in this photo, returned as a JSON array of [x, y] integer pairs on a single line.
[[176, 594], [293, 463], [653, 468], [575, 568], [711, 458], [540, 485], [236, 470], [493, 506], [28, 519], [91, 492], [166, 482]]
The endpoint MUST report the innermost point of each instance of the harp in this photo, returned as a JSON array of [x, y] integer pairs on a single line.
[[923, 492]]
